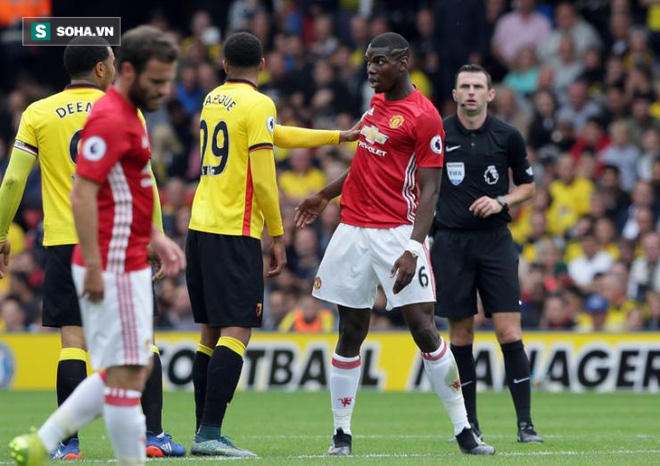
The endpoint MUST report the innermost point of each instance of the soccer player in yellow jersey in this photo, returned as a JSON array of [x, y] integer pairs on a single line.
[[237, 194], [49, 131]]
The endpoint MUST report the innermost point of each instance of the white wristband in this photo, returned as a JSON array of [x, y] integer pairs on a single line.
[[414, 247]]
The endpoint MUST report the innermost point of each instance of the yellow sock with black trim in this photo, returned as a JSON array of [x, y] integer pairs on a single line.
[[200, 371], [71, 370], [224, 371]]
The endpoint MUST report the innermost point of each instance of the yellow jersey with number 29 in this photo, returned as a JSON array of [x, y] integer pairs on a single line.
[[236, 119]]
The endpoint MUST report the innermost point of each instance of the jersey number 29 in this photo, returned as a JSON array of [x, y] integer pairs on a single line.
[[221, 152]]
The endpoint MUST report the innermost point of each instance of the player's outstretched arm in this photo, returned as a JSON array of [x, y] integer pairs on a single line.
[[289, 137], [11, 193], [86, 217], [429, 187], [310, 209]]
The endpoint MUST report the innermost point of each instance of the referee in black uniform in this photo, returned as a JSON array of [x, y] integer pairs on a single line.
[[472, 249]]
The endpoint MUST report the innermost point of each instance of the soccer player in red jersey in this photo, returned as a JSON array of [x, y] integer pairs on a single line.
[[387, 202], [112, 202]]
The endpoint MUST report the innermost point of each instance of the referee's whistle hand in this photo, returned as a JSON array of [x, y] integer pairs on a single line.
[[485, 207], [404, 270]]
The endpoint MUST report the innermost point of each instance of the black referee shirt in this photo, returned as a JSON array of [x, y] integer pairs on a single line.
[[477, 164]]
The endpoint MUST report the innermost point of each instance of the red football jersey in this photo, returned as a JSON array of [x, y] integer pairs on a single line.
[[396, 138], [115, 153]]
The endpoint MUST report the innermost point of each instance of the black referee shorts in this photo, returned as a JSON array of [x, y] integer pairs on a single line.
[[225, 279], [60, 297], [466, 262]]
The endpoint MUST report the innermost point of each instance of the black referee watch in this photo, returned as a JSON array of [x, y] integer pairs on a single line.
[[503, 202]]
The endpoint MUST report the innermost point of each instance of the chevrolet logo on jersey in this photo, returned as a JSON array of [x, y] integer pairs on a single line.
[[372, 134]]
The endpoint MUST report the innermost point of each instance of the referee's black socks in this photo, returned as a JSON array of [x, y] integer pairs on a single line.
[[467, 372], [516, 366], [224, 371], [152, 396], [71, 370]]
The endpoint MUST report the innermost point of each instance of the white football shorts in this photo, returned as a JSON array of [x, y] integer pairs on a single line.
[[358, 259], [119, 329]]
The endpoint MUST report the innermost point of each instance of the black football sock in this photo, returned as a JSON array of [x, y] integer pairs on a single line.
[[200, 372], [468, 374], [152, 397], [516, 366], [71, 370], [223, 375]]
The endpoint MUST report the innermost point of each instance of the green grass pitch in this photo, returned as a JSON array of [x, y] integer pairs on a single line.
[[390, 428]]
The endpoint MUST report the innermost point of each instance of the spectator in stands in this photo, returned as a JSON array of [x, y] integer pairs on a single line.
[[639, 54], [616, 104], [653, 307], [593, 72], [620, 306], [578, 107], [641, 118], [29, 301], [302, 178], [622, 154], [544, 124], [569, 22], [595, 314], [12, 316], [645, 271], [650, 154], [567, 65], [643, 208], [570, 196], [308, 317], [520, 28], [507, 108], [278, 304], [606, 236], [556, 314], [592, 139], [523, 77], [619, 31], [325, 42], [592, 261], [617, 201], [462, 36]]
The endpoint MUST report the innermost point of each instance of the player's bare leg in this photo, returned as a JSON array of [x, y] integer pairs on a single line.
[[345, 375], [516, 365], [440, 368]]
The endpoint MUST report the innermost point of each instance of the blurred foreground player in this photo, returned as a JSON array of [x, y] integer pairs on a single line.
[[112, 201], [50, 132]]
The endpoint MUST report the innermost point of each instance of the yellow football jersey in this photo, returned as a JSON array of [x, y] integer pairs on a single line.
[[50, 129], [235, 120]]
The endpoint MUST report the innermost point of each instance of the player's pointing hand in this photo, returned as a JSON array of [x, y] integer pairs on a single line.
[[309, 210]]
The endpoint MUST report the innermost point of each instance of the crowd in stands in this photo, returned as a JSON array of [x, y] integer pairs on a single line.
[[580, 80]]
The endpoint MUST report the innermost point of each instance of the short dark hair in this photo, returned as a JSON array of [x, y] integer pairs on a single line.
[[141, 44], [474, 68], [397, 45], [80, 60], [243, 50]]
